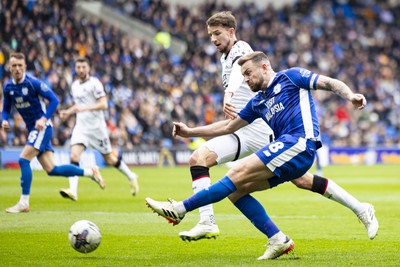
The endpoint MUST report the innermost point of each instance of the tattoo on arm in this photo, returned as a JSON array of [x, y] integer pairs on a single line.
[[334, 85]]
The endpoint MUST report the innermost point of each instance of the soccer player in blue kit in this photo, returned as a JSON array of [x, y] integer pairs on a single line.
[[285, 103], [27, 94]]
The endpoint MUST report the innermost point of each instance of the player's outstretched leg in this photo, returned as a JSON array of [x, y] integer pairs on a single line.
[[329, 189], [68, 170]]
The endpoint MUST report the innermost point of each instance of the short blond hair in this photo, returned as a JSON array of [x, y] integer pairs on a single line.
[[255, 57], [17, 55]]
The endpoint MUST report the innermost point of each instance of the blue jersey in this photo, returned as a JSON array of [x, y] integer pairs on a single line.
[[287, 105], [28, 98]]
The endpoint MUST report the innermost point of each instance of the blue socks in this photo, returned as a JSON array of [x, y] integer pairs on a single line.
[[248, 205], [26, 175], [66, 170], [256, 213], [214, 193]]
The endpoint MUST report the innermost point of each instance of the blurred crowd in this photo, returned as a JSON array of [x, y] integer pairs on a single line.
[[149, 87]]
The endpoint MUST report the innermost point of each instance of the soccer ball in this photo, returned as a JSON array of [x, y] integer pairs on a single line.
[[84, 236]]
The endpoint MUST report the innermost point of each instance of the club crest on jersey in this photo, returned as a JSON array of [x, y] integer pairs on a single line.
[[277, 88], [44, 87], [24, 91]]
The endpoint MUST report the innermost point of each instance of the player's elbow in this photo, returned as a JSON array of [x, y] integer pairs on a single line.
[[55, 101]]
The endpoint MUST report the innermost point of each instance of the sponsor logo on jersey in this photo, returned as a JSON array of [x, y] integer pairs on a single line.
[[273, 108]]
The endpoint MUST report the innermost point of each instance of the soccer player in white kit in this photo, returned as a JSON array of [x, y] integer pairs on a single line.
[[90, 130], [247, 140]]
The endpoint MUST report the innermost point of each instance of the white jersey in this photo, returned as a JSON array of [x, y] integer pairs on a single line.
[[252, 137], [234, 82], [87, 94]]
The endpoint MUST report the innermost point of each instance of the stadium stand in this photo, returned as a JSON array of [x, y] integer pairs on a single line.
[[149, 86]]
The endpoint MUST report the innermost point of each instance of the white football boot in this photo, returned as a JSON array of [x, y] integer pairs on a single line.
[[67, 193], [367, 217], [204, 229], [274, 251], [98, 178], [165, 209], [134, 184], [18, 208]]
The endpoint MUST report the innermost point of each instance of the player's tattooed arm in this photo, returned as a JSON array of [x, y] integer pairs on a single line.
[[342, 90]]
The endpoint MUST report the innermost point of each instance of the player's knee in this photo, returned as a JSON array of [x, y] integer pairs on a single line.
[[53, 171], [203, 157], [75, 157], [22, 162], [111, 160], [303, 182], [238, 171], [195, 158]]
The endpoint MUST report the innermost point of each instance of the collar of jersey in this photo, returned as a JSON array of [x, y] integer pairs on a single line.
[[22, 80]]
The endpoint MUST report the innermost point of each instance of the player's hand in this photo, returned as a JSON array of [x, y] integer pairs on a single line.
[[5, 125], [358, 101], [180, 129], [230, 111], [40, 123]]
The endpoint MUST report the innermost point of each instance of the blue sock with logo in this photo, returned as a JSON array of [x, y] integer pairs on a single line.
[[256, 213], [66, 170], [214, 193], [26, 175]]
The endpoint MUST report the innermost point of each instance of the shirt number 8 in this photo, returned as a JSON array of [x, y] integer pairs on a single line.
[[274, 147]]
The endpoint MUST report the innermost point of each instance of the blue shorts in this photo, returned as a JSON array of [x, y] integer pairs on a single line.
[[41, 140], [288, 157]]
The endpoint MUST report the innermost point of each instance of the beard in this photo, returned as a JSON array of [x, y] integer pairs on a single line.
[[255, 87]]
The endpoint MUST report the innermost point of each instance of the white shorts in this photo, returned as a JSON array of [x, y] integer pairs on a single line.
[[95, 138], [235, 146]]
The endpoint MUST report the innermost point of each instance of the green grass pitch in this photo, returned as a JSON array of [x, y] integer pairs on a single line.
[[325, 233]]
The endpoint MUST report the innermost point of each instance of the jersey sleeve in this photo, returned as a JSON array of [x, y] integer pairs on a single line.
[[247, 113], [303, 78], [5, 114], [98, 89], [47, 93]]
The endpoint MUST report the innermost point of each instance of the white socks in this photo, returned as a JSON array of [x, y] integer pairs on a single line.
[[278, 238], [179, 208], [125, 170], [73, 184], [338, 194], [207, 211], [24, 200], [88, 172]]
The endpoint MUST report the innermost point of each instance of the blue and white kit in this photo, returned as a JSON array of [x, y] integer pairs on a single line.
[[288, 108]]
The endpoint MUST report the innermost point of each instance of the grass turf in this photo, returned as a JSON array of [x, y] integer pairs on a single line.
[[325, 233]]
